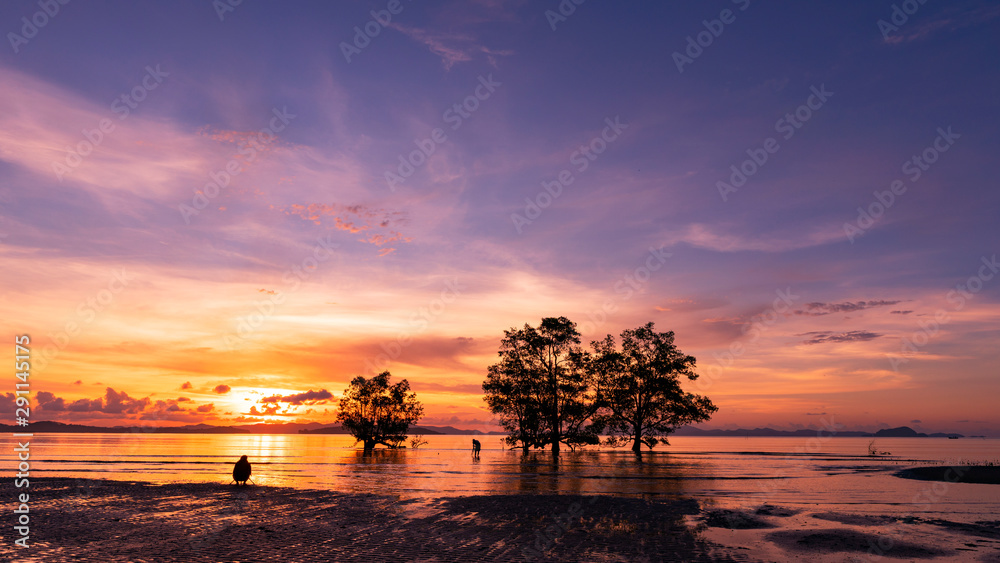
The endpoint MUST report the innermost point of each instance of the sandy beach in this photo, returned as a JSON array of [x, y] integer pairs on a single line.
[[83, 520], [77, 520]]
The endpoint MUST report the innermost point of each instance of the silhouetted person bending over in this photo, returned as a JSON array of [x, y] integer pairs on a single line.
[[476, 446], [241, 471]]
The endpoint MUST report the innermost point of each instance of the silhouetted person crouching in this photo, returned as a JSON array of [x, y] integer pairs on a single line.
[[476, 446], [241, 471]]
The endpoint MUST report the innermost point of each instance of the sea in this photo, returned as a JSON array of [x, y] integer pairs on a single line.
[[741, 473]]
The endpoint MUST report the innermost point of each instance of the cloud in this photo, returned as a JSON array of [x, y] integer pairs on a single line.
[[222, 389], [7, 404], [691, 304], [461, 388], [355, 219], [703, 236], [452, 47], [852, 336], [186, 385], [916, 421], [900, 312], [115, 404], [817, 309], [309, 397], [951, 23], [435, 352], [352, 218], [49, 402]]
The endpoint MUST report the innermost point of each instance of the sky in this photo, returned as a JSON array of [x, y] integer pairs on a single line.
[[222, 212]]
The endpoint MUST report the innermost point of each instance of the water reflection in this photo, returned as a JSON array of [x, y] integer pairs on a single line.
[[717, 468], [538, 472]]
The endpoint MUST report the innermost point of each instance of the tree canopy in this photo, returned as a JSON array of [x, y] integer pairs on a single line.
[[541, 388], [546, 391], [641, 397], [376, 413]]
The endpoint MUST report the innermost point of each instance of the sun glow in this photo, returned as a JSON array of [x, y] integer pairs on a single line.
[[253, 402]]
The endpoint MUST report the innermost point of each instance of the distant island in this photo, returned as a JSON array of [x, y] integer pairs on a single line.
[[318, 428], [414, 430], [900, 432]]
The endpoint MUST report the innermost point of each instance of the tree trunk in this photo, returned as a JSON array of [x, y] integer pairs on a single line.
[[555, 446], [637, 441], [369, 445]]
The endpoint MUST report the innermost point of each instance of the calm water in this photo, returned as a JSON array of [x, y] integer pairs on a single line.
[[732, 472]]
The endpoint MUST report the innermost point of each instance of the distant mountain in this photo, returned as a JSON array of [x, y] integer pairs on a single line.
[[907, 432], [901, 432], [51, 426], [318, 428], [335, 429], [278, 427], [741, 432], [414, 430], [443, 430]]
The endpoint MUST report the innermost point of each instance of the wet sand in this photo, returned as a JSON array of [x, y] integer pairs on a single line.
[[984, 474], [77, 520], [772, 533], [81, 520]]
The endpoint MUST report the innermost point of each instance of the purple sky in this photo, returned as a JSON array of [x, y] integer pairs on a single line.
[[792, 303]]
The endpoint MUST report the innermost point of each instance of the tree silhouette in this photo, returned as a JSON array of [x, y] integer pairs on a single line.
[[641, 397], [376, 413], [541, 388]]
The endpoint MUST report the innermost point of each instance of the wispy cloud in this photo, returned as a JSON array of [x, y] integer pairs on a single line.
[[818, 309], [377, 224], [713, 238], [453, 48], [951, 21], [309, 397], [852, 336]]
